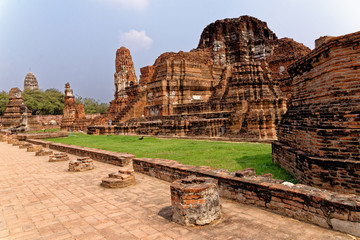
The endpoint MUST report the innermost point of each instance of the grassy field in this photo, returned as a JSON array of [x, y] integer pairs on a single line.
[[226, 155], [46, 130]]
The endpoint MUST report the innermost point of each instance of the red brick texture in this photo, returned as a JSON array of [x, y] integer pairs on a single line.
[[319, 136], [223, 88]]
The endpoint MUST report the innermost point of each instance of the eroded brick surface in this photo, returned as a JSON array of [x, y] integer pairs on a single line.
[[17, 115], [58, 157], [319, 136], [81, 164], [224, 88], [122, 178], [74, 118], [195, 201]]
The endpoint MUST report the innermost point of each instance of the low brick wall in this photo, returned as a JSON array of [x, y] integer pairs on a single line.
[[334, 174], [119, 159], [321, 207], [324, 208], [41, 135]]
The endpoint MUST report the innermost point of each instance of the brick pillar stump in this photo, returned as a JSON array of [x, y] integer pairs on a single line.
[[25, 145], [120, 179], [13, 141], [58, 157], [81, 164], [195, 201], [34, 148], [43, 152]]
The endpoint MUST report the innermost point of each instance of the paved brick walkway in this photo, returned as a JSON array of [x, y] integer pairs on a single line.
[[42, 200]]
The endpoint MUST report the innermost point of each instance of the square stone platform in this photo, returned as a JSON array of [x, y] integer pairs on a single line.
[[42, 200]]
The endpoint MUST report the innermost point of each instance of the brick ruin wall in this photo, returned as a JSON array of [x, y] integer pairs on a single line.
[[319, 136], [323, 208], [41, 135], [45, 119], [53, 121], [333, 174]]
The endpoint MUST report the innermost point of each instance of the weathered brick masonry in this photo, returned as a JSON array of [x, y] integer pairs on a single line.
[[17, 115], [319, 136], [41, 135], [74, 118], [119, 159], [234, 84], [321, 207]]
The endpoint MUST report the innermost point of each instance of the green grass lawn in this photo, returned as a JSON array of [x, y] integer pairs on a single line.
[[226, 155], [46, 130]]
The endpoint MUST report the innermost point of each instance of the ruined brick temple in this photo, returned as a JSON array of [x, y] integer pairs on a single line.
[[30, 82], [319, 136], [16, 115], [74, 118], [234, 84]]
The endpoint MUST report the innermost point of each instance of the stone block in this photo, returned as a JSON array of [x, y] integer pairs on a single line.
[[346, 226]]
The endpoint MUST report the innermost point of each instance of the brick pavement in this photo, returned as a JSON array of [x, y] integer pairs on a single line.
[[42, 200]]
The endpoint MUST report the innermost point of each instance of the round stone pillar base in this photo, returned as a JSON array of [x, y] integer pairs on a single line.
[[81, 164]]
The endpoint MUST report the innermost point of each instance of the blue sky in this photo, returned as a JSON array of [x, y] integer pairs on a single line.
[[75, 40]]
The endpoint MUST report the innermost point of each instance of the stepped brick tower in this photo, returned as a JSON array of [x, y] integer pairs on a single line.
[[30, 82], [17, 114], [74, 118]]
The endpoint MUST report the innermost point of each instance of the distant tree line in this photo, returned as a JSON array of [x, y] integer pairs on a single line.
[[51, 102]]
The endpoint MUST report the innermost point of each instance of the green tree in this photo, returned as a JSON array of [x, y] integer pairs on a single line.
[[48, 102], [91, 105], [4, 99]]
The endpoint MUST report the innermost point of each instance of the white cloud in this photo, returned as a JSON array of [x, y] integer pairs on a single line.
[[137, 5], [135, 40]]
